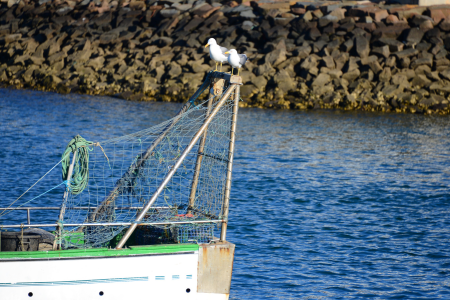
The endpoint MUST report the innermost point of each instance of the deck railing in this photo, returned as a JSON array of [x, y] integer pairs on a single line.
[[29, 209]]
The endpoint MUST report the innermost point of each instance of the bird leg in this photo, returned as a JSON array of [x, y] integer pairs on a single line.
[[220, 66], [216, 66], [239, 70]]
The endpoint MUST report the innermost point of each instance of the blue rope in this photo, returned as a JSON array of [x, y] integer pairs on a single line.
[[65, 182]]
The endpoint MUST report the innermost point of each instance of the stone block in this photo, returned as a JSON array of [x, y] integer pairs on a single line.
[[420, 81], [347, 45], [382, 51], [414, 36], [422, 61], [393, 44], [391, 19], [379, 14], [405, 13], [385, 75], [275, 57], [351, 75], [362, 46], [438, 12], [329, 62], [406, 53], [302, 51], [370, 27], [298, 10], [375, 67], [390, 32], [404, 62], [445, 24], [314, 33]]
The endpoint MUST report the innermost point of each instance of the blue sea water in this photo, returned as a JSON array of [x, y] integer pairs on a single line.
[[324, 204]]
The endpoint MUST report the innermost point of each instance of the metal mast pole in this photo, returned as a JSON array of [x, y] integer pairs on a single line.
[[226, 201], [62, 210], [175, 167], [198, 163]]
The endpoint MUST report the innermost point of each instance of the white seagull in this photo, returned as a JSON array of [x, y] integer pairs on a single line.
[[217, 53], [236, 60]]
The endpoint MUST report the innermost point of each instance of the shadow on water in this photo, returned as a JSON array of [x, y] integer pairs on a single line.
[[325, 204]]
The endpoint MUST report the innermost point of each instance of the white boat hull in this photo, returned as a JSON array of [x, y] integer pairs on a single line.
[[147, 276]]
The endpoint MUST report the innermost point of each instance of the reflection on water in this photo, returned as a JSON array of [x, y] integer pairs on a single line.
[[324, 204]]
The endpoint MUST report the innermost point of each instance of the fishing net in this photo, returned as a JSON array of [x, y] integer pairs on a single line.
[[124, 173]]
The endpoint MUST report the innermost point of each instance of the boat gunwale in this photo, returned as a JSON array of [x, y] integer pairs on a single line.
[[132, 251]]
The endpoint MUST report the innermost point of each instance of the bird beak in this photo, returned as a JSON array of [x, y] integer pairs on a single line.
[[227, 52], [206, 45]]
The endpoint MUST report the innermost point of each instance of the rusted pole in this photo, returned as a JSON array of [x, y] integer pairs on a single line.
[[175, 167], [226, 201], [198, 163]]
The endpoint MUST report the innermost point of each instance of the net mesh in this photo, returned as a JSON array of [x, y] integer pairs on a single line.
[[125, 172]]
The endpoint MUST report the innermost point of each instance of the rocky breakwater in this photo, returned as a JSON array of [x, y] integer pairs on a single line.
[[308, 55]]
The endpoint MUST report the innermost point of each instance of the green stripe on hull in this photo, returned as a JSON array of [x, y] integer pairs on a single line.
[[100, 252]]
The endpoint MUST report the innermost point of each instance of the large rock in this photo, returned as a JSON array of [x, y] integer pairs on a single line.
[[321, 80], [329, 62], [422, 61], [303, 51], [362, 46], [309, 63], [445, 24], [57, 57], [11, 38], [394, 45], [174, 70], [414, 36], [351, 75], [264, 69], [420, 81], [96, 63], [406, 53], [275, 57], [164, 42], [259, 81], [382, 51], [284, 81], [385, 75]]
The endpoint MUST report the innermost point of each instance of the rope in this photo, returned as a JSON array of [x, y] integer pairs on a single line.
[[6, 211], [80, 174], [65, 182]]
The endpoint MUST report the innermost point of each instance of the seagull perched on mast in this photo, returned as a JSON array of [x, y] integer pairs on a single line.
[[236, 60], [217, 53]]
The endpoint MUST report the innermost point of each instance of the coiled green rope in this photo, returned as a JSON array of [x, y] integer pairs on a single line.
[[80, 173]]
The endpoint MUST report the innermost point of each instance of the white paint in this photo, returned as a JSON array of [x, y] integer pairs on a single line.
[[37, 277]]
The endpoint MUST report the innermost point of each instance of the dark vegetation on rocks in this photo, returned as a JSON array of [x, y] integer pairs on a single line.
[[309, 55]]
